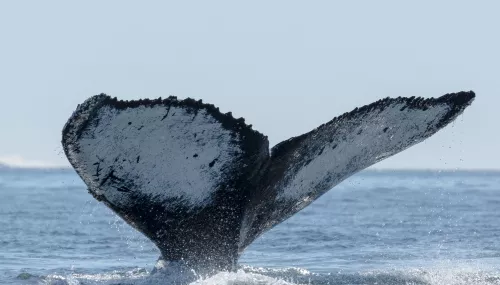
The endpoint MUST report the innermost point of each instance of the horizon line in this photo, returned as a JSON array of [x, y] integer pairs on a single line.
[[4, 166]]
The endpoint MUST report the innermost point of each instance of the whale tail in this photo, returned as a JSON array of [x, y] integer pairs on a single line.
[[203, 185]]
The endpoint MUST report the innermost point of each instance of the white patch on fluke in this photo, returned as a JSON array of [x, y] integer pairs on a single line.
[[184, 155], [358, 142]]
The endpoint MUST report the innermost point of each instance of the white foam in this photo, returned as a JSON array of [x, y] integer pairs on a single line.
[[451, 273], [222, 278], [240, 277]]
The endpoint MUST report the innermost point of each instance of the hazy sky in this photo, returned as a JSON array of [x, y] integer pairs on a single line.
[[286, 66]]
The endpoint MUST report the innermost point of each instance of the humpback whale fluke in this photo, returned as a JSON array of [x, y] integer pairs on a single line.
[[203, 185]]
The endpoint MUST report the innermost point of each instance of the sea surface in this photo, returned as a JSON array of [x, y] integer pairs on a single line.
[[377, 227]]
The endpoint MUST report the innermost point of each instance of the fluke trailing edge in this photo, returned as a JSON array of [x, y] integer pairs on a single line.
[[203, 185]]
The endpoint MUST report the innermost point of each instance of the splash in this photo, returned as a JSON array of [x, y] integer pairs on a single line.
[[457, 274], [142, 277]]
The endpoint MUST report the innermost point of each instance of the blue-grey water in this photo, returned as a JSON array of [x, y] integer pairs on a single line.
[[382, 227]]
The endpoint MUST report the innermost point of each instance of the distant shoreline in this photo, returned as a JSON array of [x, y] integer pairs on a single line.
[[6, 167]]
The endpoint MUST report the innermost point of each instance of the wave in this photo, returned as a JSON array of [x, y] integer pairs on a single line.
[[286, 276]]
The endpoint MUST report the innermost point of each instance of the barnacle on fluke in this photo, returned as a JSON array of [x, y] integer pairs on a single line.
[[202, 185]]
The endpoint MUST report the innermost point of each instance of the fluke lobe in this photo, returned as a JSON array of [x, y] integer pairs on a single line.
[[203, 185]]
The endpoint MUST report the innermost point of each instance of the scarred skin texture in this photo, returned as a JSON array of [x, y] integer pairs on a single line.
[[203, 185]]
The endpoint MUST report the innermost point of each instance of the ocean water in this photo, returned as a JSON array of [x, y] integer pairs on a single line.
[[377, 227]]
